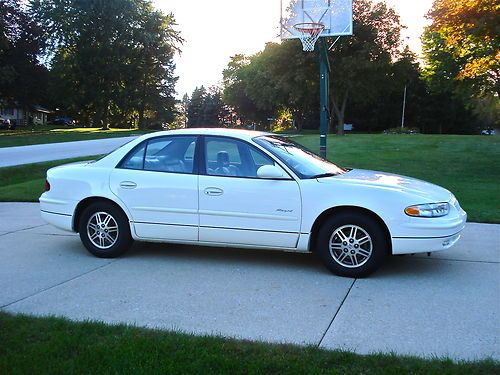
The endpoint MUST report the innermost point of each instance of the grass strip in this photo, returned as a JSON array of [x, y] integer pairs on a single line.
[[25, 183], [50, 345]]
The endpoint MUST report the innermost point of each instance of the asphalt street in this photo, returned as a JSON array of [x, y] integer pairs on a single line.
[[444, 305], [11, 156]]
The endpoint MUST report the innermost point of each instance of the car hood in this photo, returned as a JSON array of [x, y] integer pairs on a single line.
[[389, 181]]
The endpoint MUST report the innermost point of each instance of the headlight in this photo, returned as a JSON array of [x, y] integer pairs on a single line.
[[428, 210]]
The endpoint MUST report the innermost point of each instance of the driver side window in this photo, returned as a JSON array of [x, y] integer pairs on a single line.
[[233, 158]]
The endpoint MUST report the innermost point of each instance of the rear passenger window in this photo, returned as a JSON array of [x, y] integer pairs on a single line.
[[174, 154], [135, 160]]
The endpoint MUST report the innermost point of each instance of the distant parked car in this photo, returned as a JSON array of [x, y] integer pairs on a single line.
[[66, 121], [6, 123], [488, 131]]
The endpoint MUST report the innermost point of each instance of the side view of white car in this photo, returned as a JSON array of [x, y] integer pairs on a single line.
[[240, 188]]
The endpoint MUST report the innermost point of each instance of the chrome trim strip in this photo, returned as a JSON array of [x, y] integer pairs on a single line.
[[426, 238], [249, 215], [56, 213], [167, 210]]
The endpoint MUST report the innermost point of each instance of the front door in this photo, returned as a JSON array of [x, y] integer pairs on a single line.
[[237, 207]]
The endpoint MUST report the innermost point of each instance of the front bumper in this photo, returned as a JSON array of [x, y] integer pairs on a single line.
[[424, 235], [423, 245]]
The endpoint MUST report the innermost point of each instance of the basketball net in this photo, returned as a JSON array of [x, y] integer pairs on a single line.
[[309, 34]]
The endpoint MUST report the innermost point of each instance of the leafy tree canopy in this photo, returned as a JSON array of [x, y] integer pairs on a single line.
[[282, 76], [462, 54], [22, 78], [206, 108], [470, 32], [112, 60]]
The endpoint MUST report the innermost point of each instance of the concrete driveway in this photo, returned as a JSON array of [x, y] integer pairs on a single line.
[[11, 156], [445, 305]]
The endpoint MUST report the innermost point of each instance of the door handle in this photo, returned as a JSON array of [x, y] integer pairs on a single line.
[[128, 185], [213, 192]]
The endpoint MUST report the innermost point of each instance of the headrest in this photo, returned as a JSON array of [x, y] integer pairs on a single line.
[[222, 157]]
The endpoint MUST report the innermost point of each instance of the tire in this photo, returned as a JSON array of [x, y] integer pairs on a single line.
[[352, 245], [114, 240]]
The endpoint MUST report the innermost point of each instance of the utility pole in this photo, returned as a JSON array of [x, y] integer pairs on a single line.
[[404, 109]]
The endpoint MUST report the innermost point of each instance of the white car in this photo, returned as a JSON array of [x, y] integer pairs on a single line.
[[241, 188]]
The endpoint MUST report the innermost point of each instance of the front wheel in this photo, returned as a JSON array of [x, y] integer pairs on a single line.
[[104, 230], [352, 245]]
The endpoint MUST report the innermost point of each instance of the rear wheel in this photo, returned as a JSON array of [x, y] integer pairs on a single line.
[[352, 245], [104, 230]]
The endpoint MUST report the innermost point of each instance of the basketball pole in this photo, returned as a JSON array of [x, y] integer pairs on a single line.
[[324, 95]]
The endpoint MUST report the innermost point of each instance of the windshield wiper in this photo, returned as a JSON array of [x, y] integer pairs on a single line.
[[321, 175]]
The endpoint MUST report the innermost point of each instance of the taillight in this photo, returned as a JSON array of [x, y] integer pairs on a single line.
[[47, 185]]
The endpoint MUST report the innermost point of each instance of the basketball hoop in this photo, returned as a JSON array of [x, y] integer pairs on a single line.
[[309, 34]]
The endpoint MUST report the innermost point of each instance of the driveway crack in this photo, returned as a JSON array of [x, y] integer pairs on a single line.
[[58, 284], [22, 229], [336, 313]]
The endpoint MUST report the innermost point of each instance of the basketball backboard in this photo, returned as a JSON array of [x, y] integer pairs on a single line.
[[335, 15]]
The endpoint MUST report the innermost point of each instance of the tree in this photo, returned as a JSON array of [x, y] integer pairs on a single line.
[[361, 63], [112, 60], [470, 33], [23, 79], [282, 76], [195, 108], [461, 48], [154, 66], [235, 81], [207, 109], [276, 78]]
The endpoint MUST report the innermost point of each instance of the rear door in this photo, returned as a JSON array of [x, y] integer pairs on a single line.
[[158, 182]]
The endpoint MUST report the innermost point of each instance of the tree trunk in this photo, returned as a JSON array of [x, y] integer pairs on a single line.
[[140, 120], [297, 119], [340, 113], [106, 117], [142, 106]]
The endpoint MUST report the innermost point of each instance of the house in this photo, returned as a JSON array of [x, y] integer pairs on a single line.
[[35, 115]]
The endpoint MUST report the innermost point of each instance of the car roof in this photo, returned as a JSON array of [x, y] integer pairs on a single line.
[[237, 133]]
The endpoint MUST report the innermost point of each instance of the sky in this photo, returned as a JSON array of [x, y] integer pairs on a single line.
[[218, 29]]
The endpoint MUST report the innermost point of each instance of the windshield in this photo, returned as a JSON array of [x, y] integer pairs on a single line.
[[303, 162]]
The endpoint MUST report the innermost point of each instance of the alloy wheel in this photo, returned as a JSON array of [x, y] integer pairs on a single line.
[[350, 246]]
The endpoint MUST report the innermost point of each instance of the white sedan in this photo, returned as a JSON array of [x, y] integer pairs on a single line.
[[239, 188]]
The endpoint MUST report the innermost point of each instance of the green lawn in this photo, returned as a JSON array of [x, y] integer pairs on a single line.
[[55, 346], [466, 165], [25, 183], [50, 134]]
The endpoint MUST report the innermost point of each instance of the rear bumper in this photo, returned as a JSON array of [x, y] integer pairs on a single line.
[[61, 221]]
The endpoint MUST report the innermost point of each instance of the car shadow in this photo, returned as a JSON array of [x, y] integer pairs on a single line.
[[227, 255], [394, 267], [411, 266]]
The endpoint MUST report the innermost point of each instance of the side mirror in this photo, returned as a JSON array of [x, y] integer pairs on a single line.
[[271, 172]]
